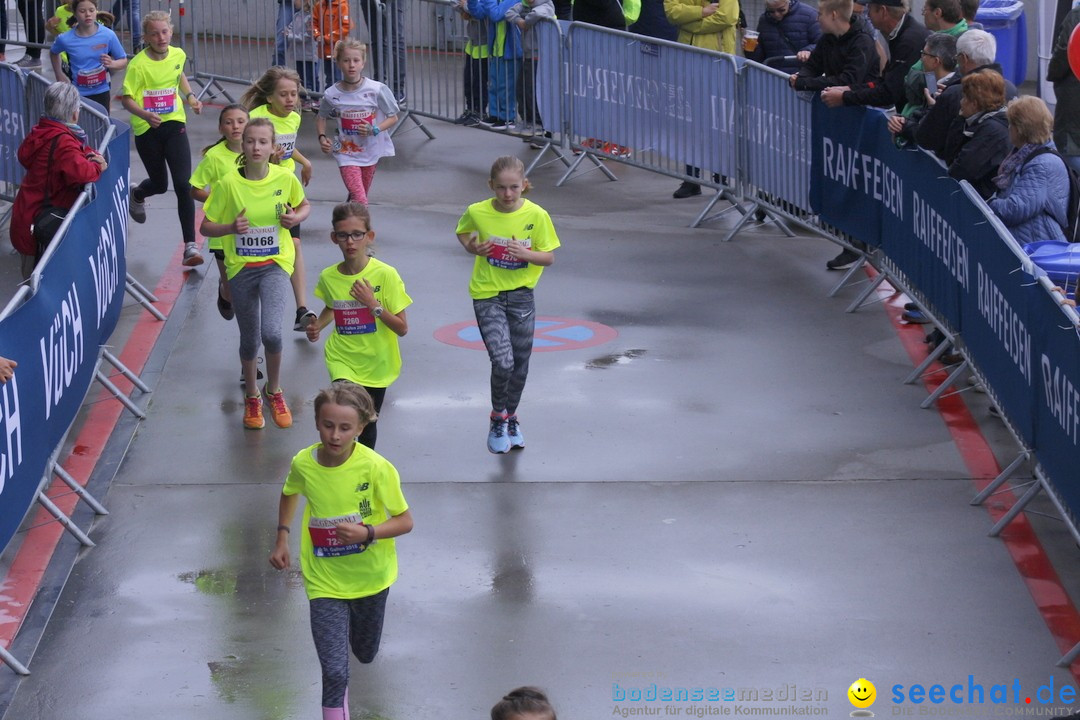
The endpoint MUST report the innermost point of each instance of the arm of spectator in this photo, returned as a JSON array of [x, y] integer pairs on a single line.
[[545, 11], [514, 12], [809, 76], [7, 369], [683, 13], [889, 90], [1027, 197], [726, 15], [933, 129], [77, 164]]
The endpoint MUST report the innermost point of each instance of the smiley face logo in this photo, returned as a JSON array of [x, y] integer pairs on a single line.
[[862, 693]]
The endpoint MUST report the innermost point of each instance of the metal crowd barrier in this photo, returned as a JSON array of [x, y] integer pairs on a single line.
[[13, 128]]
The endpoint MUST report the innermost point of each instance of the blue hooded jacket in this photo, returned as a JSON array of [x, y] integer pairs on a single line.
[[503, 37], [797, 30]]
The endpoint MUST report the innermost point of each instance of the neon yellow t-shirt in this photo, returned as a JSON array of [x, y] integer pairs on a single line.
[[218, 162], [285, 132], [263, 202], [365, 487], [153, 84], [529, 224], [361, 348]]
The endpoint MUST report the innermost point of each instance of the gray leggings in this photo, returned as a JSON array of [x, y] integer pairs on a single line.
[[337, 625], [259, 296], [506, 324]]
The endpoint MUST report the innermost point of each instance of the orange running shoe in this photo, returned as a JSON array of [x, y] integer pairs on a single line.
[[253, 414], [279, 411]]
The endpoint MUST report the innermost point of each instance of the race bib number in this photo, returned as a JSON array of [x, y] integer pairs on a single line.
[[90, 79], [160, 102], [287, 142], [353, 318], [324, 539], [351, 120], [258, 242], [499, 256]]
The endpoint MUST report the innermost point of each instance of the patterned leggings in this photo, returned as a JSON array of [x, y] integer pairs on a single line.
[[337, 625], [506, 324], [358, 181]]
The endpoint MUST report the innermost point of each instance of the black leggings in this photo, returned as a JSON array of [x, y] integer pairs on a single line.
[[31, 11], [167, 144]]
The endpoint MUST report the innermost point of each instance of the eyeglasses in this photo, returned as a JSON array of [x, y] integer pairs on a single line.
[[355, 236], [929, 55]]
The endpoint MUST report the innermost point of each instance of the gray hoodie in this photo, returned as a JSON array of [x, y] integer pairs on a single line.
[[532, 12]]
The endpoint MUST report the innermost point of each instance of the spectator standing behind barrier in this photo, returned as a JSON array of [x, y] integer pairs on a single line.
[[302, 48], [132, 19], [941, 130], [94, 53], [651, 22], [906, 38], [605, 13], [475, 72], [969, 9], [525, 15], [58, 163], [387, 43], [1033, 184], [986, 132], [786, 28], [285, 11], [34, 21], [504, 40], [845, 54], [3, 31], [332, 24], [1067, 91], [939, 59], [941, 17], [710, 26]]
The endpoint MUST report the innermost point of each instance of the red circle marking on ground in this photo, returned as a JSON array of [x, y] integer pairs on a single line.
[[552, 334]]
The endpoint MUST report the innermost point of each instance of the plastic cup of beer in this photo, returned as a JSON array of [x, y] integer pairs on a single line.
[[749, 41]]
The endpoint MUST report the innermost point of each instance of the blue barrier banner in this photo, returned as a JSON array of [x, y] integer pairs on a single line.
[[1056, 394], [777, 133], [13, 123], [54, 337], [550, 67], [661, 97]]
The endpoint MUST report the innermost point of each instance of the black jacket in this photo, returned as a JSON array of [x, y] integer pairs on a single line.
[[985, 143], [606, 13], [1066, 89], [941, 130], [850, 59], [905, 49]]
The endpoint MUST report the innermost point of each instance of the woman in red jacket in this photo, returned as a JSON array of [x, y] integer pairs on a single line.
[[58, 163]]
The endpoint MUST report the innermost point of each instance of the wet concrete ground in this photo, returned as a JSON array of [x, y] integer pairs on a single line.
[[735, 492]]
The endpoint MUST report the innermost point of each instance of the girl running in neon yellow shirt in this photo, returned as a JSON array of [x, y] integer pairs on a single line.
[[155, 91], [251, 210], [276, 96], [219, 160], [348, 557], [513, 240], [365, 300]]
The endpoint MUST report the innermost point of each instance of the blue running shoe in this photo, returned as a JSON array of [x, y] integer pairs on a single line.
[[498, 441], [513, 431]]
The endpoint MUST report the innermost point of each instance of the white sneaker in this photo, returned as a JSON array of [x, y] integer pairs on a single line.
[[192, 256]]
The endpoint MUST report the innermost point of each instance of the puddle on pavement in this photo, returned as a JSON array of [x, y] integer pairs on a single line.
[[224, 582], [606, 361]]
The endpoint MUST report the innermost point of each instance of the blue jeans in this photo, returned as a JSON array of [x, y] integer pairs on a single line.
[[134, 19], [285, 14]]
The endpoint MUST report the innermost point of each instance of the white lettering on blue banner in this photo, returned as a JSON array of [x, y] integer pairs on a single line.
[[62, 349], [1062, 398], [1005, 323], [105, 267], [634, 91], [847, 166], [12, 432], [939, 236]]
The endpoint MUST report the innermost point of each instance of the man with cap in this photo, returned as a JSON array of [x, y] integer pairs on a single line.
[[906, 37]]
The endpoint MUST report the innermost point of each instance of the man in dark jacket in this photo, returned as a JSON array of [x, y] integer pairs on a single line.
[[654, 23], [605, 13], [941, 130], [1067, 91], [787, 28], [906, 37], [845, 54]]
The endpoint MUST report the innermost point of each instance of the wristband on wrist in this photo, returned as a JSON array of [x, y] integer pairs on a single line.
[[375, 130], [323, 135], [286, 528], [370, 534]]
